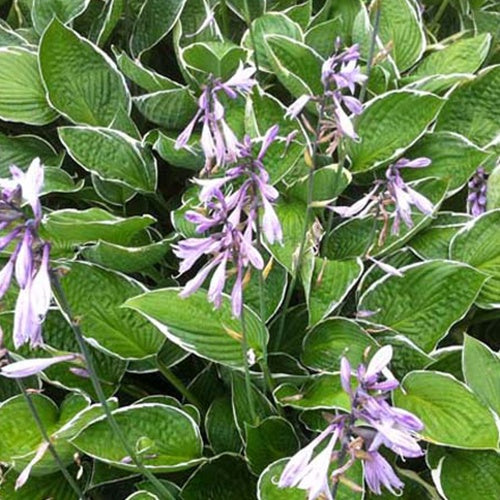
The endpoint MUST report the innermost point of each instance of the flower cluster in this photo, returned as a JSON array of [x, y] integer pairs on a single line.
[[232, 217], [29, 260], [371, 423], [339, 74], [476, 200], [393, 191], [218, 141]]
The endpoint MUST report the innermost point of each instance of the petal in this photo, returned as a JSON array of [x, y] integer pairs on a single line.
[[28, 367], [379, 361]]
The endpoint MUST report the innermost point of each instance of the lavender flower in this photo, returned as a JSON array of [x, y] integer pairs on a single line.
[[218, 141], [392, 427], [231, 216], [393, 191], [339, 74], [29, 261], [28, 367], [478, 186]]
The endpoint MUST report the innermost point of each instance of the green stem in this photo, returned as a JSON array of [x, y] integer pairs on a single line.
[[65, 309], [178, 384], [46, 438], [252, 33], [310, 193], [371, 53], [248, 381], [439, 13]]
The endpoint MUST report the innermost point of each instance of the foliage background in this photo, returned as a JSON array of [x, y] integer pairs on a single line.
[[101, 93]]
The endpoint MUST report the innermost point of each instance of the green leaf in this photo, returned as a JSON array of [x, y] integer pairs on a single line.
[[468, 474], [319, 392], [164, 145], [145, 78], [271, 23], [297, 66], [171, 108], [142, 495], [291, 214], [156, 18], [493, 193], [333, 338], [43, 11], [270, 440], [82, 82], [481, 367], [57, 180], [267, 487], [20, 150], [22, 96], [454, 159], [425, 302], [170, 438], [462, 56], [126, 259], [401, 27], [330, 283], [38, 488], [71, 227], [111, 155], [96, 297], [451, 413], [477, 245], [472, 110], [357, 236], [10, 38], [220, 59], [112, 192], [222, 433], [390, 124], [448, 360], [225, 477], [193, 324], [106, 22]]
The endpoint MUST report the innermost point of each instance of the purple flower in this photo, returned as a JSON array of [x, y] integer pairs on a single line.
[[231, 216], [28, 367], [29, 261], [384, 425], [25, 473], [378, 472], [478, 187], [340, 74], [218, 141]]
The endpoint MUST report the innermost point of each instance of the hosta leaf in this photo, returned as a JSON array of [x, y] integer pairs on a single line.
[[451, 413], [471, 110], [222, 433], [454, 159], [69, 227], [462, 56], [477, 245], [22, 96], [43, 11], [111, 155], [319, 392], [96, 296], [272, 23], [171, 108], [333, 338], [295, 64], [112, 192], [425, 302], [106, 22], [401, 27], [220, 59], [330, 282], [156, 18], [20, 150], [388, 125], [164, 145], [481, 367], [270, 440], [173, 438], [224, 477], [57, 180], [82, 82], [493, 193], [467, 474], [126, 259], [193, 324]]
